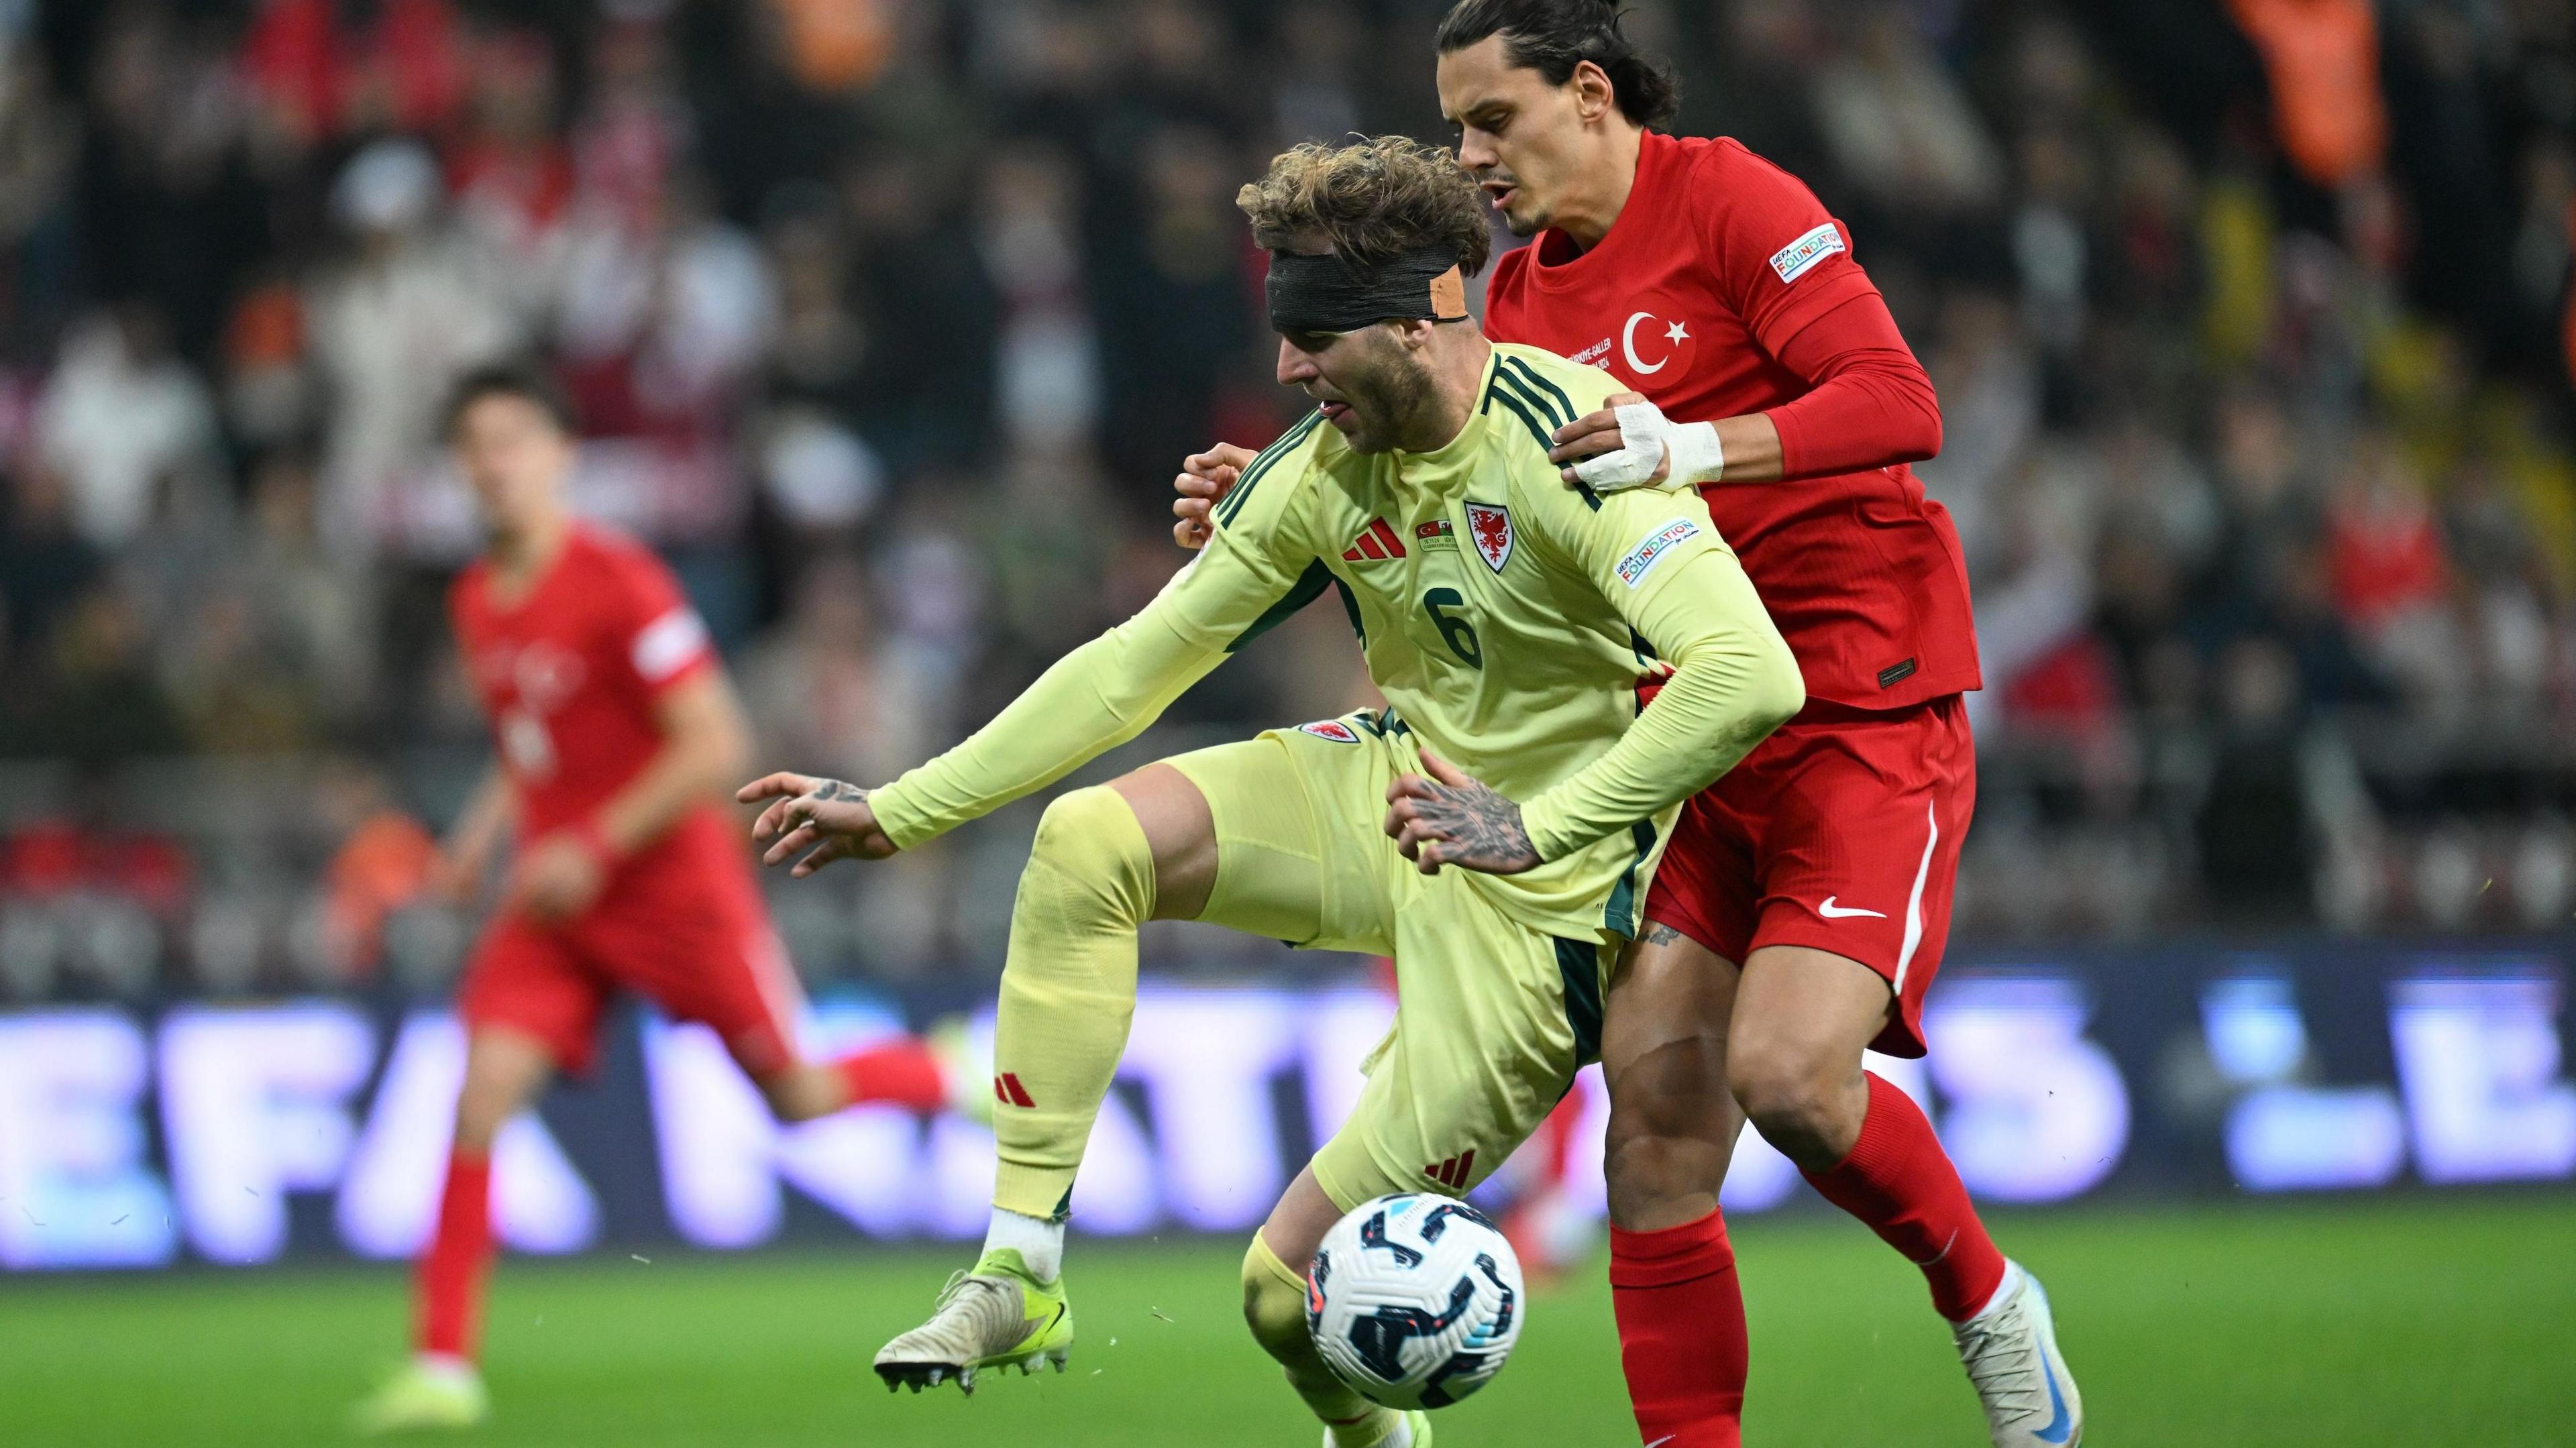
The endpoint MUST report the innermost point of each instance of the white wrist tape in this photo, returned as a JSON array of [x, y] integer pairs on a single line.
[[1697, 456], [1646, 438]]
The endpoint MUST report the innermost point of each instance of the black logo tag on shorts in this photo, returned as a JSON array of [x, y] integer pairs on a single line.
[[1895, 673]]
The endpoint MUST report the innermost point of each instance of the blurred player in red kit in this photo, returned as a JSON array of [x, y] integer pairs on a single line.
[[618, 738], [1801, 908]]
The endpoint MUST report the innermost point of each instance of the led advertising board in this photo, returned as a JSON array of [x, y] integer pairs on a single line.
[[244, 1134]]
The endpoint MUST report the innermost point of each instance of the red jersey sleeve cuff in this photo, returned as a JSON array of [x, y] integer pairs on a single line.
[[1793, 441]]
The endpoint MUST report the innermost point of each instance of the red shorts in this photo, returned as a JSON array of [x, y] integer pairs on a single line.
[[682, 925], [1840, 832]]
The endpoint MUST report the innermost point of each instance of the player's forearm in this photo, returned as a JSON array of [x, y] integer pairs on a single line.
[[1870, 403], [1094, 699], [484, 820], [1875, 415], [1709, 715], [1734, 681], [698, 762], [1751, 447], [681, 777]]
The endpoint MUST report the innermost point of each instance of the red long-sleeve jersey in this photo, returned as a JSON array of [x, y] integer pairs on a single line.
[[1724, 289]]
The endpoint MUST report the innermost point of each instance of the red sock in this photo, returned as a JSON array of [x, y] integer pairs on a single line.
[[1681, 1332], [905, 1073], [451, 1272], [1900, 1181]]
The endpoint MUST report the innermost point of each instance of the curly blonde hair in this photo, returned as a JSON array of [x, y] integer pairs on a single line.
[[1371, 201]]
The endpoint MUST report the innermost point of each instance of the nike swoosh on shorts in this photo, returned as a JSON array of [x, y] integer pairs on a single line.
[[1831, 912]]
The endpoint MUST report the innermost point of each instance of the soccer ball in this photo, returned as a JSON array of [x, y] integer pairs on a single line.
[[1415, 1301]]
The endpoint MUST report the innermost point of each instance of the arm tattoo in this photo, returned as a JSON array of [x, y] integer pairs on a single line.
[[836, 792], [1480, 829]]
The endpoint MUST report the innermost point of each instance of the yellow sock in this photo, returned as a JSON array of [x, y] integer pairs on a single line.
[[1274, 1302], [1068, 993]]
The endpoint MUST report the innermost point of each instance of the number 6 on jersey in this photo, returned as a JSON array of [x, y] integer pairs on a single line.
[[1456, 632]]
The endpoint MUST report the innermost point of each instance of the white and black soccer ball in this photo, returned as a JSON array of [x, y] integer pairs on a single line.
[[1415, 1300]]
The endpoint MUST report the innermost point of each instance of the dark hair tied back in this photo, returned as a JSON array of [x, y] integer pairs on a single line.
[[1552, 37]]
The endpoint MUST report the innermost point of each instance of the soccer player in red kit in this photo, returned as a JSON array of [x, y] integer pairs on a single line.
[[618, 738], [1802, 905]]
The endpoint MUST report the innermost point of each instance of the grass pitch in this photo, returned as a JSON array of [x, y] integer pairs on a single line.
[[2411, 1322]]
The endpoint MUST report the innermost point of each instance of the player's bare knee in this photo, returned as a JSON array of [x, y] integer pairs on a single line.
[[481, 1108], [1646, 1170], [1676, 1088], [1793, 1094], [504, 1071], [797, 1094], [1641, 1170], [475, 1134], [1679, 1090]]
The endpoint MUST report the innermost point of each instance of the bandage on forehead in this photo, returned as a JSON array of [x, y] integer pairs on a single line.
[[1324, 293]]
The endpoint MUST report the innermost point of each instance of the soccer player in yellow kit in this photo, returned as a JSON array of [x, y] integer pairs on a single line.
[[1509, 621]]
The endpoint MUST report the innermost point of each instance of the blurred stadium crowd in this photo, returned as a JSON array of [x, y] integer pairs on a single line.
[[890, 319]]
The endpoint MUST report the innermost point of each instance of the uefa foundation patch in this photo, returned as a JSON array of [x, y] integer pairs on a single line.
[[1641, 560], [1798, 257]]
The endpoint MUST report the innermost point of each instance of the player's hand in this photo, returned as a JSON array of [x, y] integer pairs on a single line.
[[1204, 478], [1451, 819], [457, 871], [454, 877], [829, 815], [1596, 433], [555, 878]]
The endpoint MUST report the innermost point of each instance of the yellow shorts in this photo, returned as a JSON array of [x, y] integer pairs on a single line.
[[1493, 1017]]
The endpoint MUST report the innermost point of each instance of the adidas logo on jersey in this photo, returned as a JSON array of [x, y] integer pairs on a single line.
[[1453, 1172], [1375, 541]]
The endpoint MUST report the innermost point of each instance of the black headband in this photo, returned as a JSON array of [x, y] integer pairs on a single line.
[[1324, 293]]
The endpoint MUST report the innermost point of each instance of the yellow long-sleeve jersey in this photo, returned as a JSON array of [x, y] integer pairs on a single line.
[[1508, 618]]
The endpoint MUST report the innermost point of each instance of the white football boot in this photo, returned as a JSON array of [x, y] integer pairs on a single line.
[[997, 1316], [2010, 1352]]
